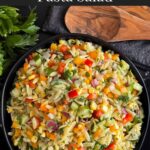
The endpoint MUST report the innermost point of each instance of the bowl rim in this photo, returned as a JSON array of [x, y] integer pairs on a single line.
[[69, 36]]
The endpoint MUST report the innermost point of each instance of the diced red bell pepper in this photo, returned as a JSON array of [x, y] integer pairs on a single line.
[[61, 67], [111, 147], [73, 94], [88, 62], [106, 56], [31, 85], [97, 113], [81, 148], [63, 48], [29, 100], [127, 118], [92, 96], [37, 104], [72, 146], [51, 63], [67, 56]]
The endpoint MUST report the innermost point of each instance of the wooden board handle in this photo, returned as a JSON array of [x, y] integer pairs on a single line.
[[110, 23]]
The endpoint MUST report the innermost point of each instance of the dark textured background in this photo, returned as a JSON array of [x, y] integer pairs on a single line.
[[52, 18]]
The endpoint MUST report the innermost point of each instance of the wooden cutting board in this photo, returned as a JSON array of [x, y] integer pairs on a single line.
[[110, 23]]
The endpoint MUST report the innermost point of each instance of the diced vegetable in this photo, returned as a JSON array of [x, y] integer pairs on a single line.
[[93, 54], [53, 47], [61, 67], [94, 82], [99, 147], [81, 148], [92, 96], [93, 105], [63, 48], [124, 65], [38, 60], [48, 71], [137, 87], [97, 113], [88, 62], [29, 100], [67, 115], [72, 146], [67, 56], [52, 125], [74, 106], [73, 94], [78, 60], [84, 112], [24, 119], [127, 118], [111, 147], [32, 85], [35, 122]]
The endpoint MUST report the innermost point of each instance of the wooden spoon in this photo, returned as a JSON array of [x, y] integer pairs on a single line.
[[110, 23]]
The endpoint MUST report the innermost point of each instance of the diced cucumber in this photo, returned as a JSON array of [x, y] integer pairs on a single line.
[[137, 87], [99, 147], [24, 119], [48, 71], [38, 60], [84, 112], [68, 74], [124, 65], [131, 87], [74, 106]]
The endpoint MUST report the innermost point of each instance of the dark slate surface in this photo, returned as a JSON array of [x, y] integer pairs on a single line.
[[137, 51]]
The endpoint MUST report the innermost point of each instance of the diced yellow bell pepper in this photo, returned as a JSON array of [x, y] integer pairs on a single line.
[[53, 47], [78, 60]]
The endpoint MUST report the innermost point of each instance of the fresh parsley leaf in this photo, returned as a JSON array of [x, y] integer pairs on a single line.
[[29, 25], [21, 41], [87, 74], [68, 74], [16, 33], [137, 120], [1, 62]]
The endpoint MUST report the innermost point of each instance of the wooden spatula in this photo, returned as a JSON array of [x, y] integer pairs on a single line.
[[110, 23]]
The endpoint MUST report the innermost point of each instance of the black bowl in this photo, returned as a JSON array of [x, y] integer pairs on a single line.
[[6, 120]]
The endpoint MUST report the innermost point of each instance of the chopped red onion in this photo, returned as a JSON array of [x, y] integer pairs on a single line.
[[74, 79], [100, 100], [124, 111], [94, 82], [111, 87], [67, 115], [98, 76], [53, 125]]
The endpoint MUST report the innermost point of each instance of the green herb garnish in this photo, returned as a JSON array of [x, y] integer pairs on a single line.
[[16, 34], [124, 98]]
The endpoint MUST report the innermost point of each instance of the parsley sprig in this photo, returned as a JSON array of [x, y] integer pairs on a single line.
[[16, 34]]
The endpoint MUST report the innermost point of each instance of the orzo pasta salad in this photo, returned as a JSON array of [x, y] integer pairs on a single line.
[[75, 96]]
